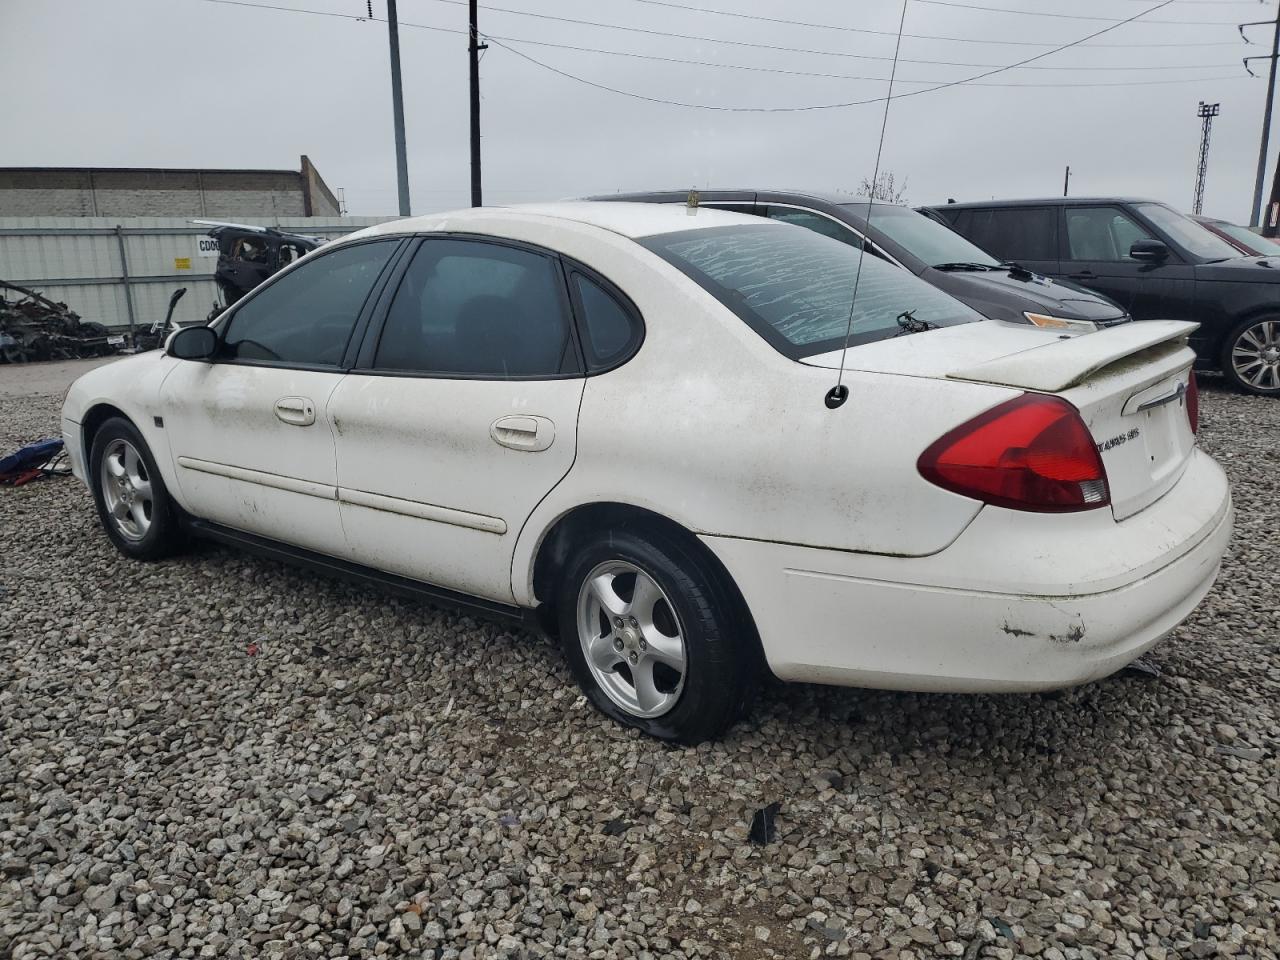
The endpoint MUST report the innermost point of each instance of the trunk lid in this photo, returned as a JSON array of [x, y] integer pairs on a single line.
[[1129, 383]]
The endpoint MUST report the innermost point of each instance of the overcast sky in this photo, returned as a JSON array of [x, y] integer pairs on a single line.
[[188, 83]]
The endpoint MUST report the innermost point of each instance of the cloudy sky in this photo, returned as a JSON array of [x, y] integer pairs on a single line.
[[218, 84]]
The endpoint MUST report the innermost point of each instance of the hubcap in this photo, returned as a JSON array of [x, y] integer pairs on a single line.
[[1255, 356], [631, 639], [126, 489]]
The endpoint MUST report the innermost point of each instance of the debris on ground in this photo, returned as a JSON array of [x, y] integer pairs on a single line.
[[762, 827], [33, 327], [40, 459]]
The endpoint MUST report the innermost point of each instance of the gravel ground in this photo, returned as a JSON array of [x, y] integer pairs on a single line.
[[218, 756]]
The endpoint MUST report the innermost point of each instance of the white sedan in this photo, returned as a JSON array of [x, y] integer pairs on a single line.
[[618, 421]]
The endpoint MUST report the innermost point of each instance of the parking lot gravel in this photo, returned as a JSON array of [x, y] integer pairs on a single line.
[[219, 756]]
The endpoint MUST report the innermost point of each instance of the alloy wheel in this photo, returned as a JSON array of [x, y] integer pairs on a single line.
[[631, 639], [126, 489], [1255, 356]]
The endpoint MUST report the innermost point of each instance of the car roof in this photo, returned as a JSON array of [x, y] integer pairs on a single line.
[[1039, 202], [714, 195], [632, 220]]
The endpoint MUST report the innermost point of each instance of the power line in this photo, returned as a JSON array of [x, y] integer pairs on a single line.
[[836, 76], [850, 103], [733, 66], [914, 36], [1072, 16], [805, 50]]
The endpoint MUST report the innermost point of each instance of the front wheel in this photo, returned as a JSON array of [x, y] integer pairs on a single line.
[[135, 508], [654, 638], [1251, 356]]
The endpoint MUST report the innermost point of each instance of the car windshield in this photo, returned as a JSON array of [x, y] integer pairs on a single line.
[[922, 236], [794, 286], [1195, 238], [1248, 238]]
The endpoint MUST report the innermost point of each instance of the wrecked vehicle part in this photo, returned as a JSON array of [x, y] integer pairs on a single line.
[[33, 327], [248, 255]]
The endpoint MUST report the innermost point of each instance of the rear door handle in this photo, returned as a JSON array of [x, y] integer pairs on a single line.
[[523, 433], [1083, 275], [296, 411]]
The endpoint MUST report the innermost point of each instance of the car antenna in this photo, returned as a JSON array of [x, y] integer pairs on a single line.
[[838, 394]]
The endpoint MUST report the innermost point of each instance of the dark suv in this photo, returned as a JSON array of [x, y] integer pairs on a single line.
[[918, 244], [1152, 260]]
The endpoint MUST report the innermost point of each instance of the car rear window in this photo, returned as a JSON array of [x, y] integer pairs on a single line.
[[795, 287]]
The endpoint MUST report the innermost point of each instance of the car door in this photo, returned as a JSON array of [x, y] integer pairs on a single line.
[[461, 415], [1096, 255], [250, 432]]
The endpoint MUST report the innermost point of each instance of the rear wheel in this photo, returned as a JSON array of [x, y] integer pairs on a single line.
[[135, 508], [1251, 356], [653, 637]]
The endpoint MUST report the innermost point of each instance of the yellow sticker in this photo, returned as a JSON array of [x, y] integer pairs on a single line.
[[182, 263]]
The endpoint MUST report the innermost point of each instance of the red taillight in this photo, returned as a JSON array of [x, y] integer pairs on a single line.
[[1031, 453], [1193, 402]]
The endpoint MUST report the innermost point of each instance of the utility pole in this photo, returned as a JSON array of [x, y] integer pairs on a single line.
[[474, 46], [1255, 213], [1206, 113], [1066, 181], [397, 108]]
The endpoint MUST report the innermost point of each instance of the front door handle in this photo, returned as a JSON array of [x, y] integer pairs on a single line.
[[296, 411], [523, 433], [1083, 275]]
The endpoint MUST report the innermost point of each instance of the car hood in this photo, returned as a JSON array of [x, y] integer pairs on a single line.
[[1242, 270], [1010, 293]]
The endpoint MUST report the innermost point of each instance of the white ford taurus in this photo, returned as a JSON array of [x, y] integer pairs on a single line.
[[610, 418]]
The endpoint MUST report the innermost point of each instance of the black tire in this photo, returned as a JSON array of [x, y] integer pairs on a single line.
[[722, 662], [162, 535], [1270, 385]]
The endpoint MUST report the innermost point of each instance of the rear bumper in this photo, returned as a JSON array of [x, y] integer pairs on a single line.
[[1018, 602]]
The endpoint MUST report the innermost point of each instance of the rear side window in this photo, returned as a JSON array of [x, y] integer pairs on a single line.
[[1012, 233], [474, 308], [307, 315], [610, 329]]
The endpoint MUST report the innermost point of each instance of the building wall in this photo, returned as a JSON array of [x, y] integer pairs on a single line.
[[222, 194], [77, 261]]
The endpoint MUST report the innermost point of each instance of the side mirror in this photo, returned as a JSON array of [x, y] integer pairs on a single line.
[[1149, 251], [193, 343]]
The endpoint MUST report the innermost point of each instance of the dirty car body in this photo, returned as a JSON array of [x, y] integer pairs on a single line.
[[515, 395]]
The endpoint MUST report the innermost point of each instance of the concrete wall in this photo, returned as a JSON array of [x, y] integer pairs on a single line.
[[221, 194], [77, 261]]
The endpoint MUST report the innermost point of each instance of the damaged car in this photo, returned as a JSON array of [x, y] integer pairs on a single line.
[[680, 442], [248, 255]]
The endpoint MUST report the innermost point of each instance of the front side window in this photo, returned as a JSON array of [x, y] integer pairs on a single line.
[[795, 287], [473, 308], [817, 223], [307, 315], [1014, 233], [1193, 237], [1102, 233]]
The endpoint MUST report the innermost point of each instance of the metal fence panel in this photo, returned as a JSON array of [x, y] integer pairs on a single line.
[[77, 261]]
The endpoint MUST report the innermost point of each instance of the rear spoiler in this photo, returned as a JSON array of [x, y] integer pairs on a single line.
[[1057, 366]]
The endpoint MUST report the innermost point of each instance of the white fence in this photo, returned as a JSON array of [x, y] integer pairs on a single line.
[[121, 272]]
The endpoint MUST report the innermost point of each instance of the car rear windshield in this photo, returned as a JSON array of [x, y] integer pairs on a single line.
[[795, 287], [921, 236], [1197, 239]]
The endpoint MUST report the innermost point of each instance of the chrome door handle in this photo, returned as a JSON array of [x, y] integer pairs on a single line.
[[296, 411], [523, 433]]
